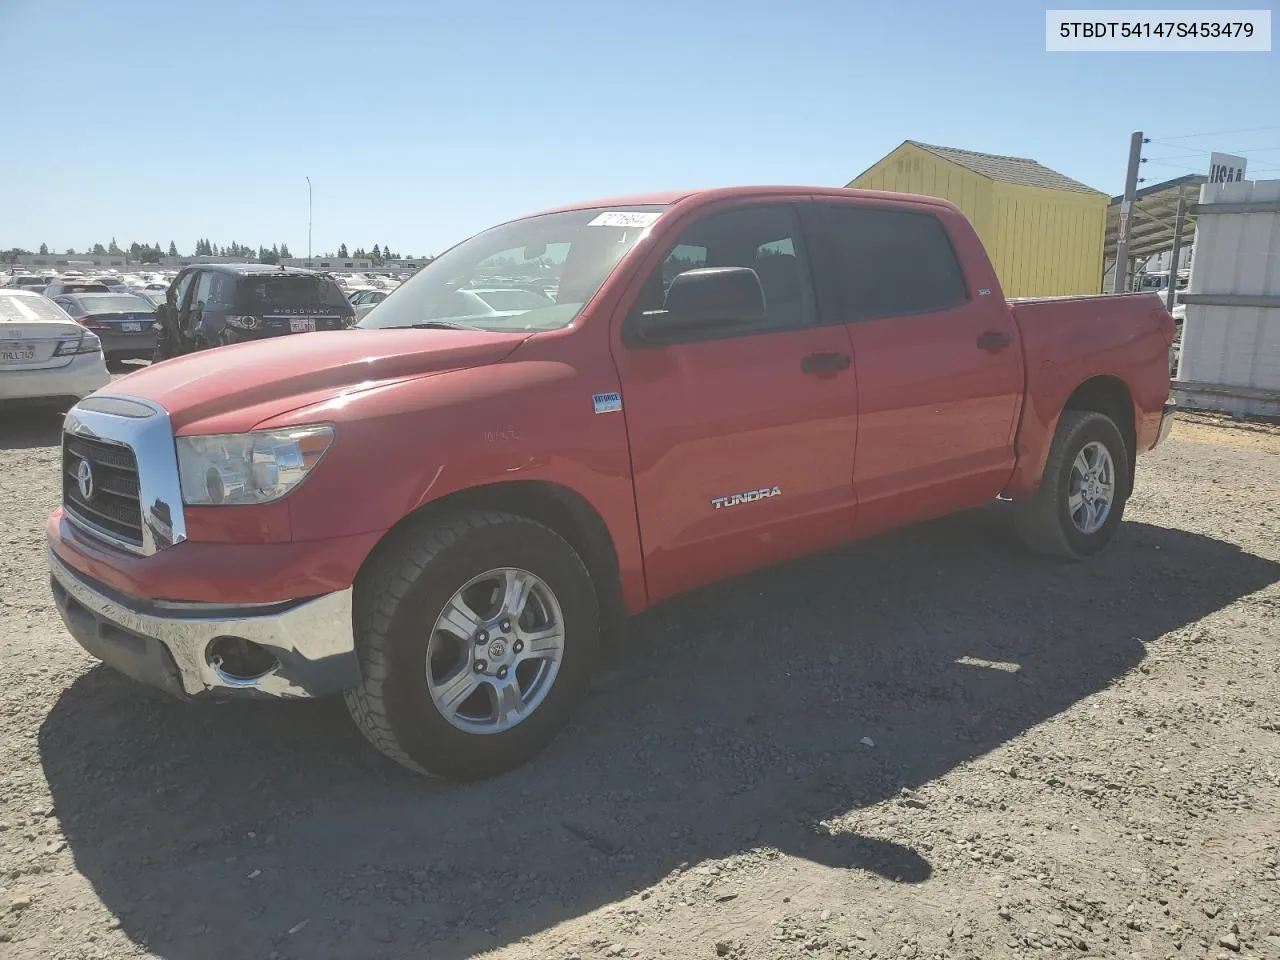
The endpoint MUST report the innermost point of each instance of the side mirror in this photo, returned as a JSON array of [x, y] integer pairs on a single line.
[[708, 298]]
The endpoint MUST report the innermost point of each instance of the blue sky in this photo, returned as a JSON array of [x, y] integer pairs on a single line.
[[422, 122]]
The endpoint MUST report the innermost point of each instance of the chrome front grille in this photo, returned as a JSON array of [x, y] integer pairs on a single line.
[[108, 472], [120, 478]]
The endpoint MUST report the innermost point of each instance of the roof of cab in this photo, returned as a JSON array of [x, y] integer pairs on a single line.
[[670, 197]]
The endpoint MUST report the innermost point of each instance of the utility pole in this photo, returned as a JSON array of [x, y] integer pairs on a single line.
[[309, 219], [1118, 282], [1171, 293]]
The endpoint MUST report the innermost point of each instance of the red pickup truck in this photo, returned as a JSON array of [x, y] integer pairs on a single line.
[[445, 512]]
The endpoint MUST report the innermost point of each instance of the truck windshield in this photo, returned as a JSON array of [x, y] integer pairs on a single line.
[[531, 274]]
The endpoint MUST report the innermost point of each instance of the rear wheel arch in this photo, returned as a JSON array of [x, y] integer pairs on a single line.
[[554, 505], [1111, 397]]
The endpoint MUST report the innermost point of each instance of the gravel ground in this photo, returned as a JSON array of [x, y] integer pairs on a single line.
[[927, 745]]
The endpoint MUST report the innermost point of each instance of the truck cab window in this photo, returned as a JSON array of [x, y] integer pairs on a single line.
[[765, 238], [893, 262]]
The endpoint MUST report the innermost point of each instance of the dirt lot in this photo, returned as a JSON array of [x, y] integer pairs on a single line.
[[929, 745]]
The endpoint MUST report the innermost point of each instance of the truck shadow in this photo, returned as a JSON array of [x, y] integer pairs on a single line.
[[25, 426], [212, 831]]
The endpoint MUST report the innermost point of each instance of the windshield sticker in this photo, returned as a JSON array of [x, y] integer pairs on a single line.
[[606, 402], [621, 218]]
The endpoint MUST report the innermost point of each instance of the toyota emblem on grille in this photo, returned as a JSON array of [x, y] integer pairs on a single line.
[[84, 478]]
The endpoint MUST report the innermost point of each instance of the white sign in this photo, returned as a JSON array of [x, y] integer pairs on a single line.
[[624, 218], [1130, 31], [1225, 168]]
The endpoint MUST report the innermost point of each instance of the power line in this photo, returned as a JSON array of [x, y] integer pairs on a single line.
[[1218, 133], [1205, 153], [1177, 166]]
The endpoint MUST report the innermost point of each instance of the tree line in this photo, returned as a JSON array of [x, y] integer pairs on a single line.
[[151, 253]]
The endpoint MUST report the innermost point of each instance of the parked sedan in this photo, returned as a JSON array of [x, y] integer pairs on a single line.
[[123, 321], [29, 282], [155, 297], [63, 285], [44, 354], [366, 300]]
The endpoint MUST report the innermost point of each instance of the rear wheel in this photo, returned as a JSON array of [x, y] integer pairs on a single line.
[[477, 635], [1082, 495]]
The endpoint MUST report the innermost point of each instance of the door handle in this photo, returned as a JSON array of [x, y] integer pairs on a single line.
[[993, 340], [825, 362]]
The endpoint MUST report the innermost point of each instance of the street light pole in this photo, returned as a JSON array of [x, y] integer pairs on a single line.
[[308, 221]]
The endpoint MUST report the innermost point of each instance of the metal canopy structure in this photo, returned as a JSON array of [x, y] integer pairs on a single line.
[[1152, 219]]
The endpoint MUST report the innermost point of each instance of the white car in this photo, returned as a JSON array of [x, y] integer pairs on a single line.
[[44, 354]]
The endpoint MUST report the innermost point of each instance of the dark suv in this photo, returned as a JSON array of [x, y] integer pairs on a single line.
[[214, 304]]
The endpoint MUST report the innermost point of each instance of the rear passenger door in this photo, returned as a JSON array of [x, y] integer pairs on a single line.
[[939, 366], [741, 441]]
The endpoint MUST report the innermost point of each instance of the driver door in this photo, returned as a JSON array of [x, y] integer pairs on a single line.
[[742, 441]]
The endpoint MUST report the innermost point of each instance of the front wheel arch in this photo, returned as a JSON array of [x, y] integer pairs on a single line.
[[553, 505]]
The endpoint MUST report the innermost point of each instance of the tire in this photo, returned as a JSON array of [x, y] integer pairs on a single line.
[[1047, 523], [397, 620]]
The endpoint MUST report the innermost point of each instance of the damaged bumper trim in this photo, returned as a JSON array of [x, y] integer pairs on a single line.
[[299, 649], [1166, 425]]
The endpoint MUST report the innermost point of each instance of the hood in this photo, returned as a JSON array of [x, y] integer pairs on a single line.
[[230, 389]]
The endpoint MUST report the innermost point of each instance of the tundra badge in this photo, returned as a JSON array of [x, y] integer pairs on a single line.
[[751, 496]]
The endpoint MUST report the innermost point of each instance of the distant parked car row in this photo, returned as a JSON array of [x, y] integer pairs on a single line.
[[206, 305]]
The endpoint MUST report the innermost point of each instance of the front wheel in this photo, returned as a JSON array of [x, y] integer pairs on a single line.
[[477, 636], [1082, 495]]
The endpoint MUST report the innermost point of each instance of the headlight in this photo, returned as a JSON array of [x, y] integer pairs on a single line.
[[255, 467]]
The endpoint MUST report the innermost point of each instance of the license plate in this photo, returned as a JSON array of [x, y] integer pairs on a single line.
[[17, 354], [130, 326], [302, 325]]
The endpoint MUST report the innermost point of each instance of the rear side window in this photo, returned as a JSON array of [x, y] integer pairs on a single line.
[[892, 263]]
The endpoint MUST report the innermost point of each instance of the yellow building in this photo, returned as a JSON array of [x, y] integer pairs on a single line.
[[1044, 231]]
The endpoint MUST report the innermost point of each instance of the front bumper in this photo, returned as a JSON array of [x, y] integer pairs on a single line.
[[166, 645]]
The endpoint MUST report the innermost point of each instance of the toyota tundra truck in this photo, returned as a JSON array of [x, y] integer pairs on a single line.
[[445, 513]]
